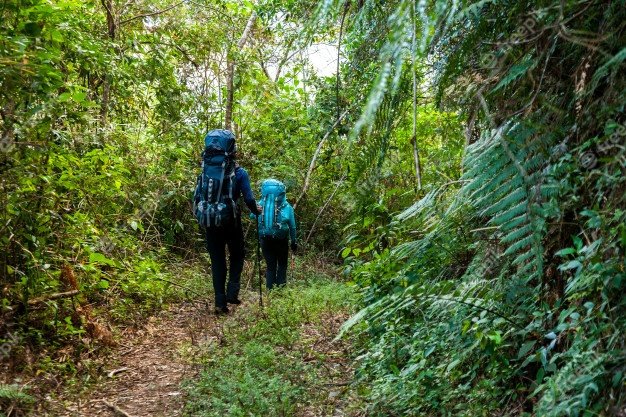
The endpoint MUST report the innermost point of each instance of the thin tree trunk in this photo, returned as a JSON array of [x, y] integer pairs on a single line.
[[106, 85], [307, 179], [469, 132], [230, 73], [416, 155], [319, 213], [220, 99], [338, 79]]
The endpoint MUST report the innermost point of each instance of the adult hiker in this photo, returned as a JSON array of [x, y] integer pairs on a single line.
[[220, 184], [277, 224]]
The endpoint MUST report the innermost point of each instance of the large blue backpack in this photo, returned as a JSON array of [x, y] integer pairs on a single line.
[[213, 203], [274, 220]]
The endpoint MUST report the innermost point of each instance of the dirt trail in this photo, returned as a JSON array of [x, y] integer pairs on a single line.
[[145, 373]]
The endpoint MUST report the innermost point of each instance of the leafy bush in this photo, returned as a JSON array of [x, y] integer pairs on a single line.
[[503, 296]]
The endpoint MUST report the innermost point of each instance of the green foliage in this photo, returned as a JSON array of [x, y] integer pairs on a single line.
[[259, 366], [476, 302], [499, 290], [256, 382], [13, 397]]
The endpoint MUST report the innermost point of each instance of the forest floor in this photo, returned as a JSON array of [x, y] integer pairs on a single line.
[[144, 373], [187, 361]]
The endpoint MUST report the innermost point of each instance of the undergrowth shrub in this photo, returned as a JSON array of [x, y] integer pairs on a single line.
[[505, 295]]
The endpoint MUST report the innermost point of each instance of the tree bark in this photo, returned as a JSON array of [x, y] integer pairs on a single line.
[[416, 155], [338, 78], [230, 72], [106, 85], [417, 162]]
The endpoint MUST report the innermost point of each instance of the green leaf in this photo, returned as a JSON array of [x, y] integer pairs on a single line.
[[79, 96], [452, 365], [574, 264], [516, 72], [526, 347], [56, 36], [63, 97], [98, 258], [565, 252]]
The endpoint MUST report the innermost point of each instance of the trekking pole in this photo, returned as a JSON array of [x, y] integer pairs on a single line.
[[293, 266], [258, 261]]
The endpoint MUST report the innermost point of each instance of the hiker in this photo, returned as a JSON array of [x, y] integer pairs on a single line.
[[277, 224], [218, 187]]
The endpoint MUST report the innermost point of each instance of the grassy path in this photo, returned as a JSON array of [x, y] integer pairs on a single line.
[[280, 360]]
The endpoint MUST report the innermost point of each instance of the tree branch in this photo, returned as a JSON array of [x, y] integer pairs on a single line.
[[307, 179], [230, 72], [319, 213], [141, 16], [55, 296]]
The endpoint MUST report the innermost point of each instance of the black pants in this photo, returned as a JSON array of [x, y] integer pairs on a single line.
[[275, 252], [216, 242]]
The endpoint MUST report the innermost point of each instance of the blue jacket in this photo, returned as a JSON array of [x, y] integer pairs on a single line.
[[242, 186]]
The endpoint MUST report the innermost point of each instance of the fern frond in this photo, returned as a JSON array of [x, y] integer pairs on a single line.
[[520, 244], [513, 223], [517, 234], [509, 214], [514, 197]]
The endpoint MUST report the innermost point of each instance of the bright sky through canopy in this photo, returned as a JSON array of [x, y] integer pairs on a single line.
[[323, 57]]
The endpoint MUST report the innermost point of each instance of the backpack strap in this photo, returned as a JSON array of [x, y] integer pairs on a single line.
[[219, 191], [209, 191], [219, 195], [230, 193]]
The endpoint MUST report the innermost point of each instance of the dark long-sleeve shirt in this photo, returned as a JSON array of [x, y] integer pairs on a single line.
[[242, 186]]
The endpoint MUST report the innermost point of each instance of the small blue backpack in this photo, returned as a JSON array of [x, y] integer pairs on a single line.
[[213, 203], [274, 219]]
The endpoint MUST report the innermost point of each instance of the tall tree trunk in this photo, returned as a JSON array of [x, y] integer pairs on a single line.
[[416, 154], [106, 85], [338, 79], [230, 72]]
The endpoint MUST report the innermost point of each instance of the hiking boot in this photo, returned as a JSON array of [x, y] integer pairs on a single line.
[[235, 301], [219, 311]]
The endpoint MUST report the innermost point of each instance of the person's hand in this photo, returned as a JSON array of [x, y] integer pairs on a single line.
[[259, 209], [294, 247]]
